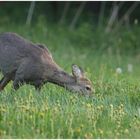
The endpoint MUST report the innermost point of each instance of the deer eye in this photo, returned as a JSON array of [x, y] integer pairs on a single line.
[[88, 88]]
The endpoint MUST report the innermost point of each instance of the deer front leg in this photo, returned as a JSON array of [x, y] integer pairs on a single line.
[[38, 84], [18, 80], [17, 83], [19, 76]]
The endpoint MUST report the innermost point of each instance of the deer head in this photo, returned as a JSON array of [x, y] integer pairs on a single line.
[[77, 82], [82, 84]]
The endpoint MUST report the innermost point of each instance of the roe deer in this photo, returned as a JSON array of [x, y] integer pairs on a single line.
[[24, 62]]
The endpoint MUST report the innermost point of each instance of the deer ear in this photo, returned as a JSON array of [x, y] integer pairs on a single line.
[[77, 72]]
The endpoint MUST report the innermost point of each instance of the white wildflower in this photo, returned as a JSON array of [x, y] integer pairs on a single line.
[[118, 70]]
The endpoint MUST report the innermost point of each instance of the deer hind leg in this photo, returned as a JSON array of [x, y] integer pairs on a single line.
[[4, 81]]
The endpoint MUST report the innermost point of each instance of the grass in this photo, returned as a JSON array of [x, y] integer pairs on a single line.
[[112, 112]]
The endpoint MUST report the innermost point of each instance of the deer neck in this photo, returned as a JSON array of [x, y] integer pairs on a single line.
[[62, 78]]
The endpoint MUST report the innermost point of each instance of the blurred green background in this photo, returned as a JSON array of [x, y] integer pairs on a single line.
[[99, 25]]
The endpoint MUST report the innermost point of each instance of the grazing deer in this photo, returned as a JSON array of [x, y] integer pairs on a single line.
[[24, 62]]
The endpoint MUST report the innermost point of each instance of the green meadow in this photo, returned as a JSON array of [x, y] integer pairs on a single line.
[[112, 112]]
